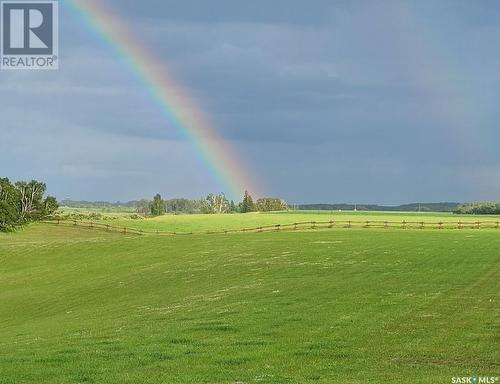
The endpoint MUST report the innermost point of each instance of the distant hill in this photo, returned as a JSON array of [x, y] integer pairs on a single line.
[[414, 207], [98, 204]]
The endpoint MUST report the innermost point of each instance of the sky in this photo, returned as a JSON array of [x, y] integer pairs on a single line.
[[324, 101]]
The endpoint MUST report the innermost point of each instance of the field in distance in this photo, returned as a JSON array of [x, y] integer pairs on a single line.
[[201, 222], [378, 306]]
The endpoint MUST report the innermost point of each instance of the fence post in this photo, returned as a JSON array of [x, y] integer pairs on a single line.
[[404, 224], [386, 224], [440, 225], [422, 225], [125, 230], [459, 225], [367, 224], [331, 224], [497, 224], [74, 223], [349, 224]]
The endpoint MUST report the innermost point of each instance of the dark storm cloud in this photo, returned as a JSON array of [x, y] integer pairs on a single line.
[[222, 11], [370, 101]]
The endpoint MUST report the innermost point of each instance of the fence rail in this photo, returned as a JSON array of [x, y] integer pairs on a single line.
[[304, 225], [94, 225]]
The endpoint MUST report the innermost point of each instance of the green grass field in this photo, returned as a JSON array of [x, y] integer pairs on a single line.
[[346, 305], [200, 223]]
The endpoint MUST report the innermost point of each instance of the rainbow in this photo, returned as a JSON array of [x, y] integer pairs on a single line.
[[175, 102]]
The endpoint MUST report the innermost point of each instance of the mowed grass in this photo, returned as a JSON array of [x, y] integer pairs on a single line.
[[354, 306], [201, 223]]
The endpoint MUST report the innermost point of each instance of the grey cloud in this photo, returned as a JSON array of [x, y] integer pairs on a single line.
[[328, 101]]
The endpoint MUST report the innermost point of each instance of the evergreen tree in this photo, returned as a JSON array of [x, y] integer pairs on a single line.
[[247, 205], [232, 207]]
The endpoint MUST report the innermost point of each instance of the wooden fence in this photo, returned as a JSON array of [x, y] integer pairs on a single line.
[[94, 225], [306, 225]]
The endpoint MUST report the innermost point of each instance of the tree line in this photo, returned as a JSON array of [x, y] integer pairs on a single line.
[[23, 202], [479, 208], [212, 204], [413, 207]]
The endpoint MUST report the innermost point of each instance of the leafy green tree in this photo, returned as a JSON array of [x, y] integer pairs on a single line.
[[247, 205], [269, 204], [158, 206], [9, 214], [23, 202], [216, 204], [8, 217], [183, 206], [31, 195], [50, 206], [479, 208]]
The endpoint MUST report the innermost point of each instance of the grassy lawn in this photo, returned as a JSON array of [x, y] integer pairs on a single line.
[[355, 306], [199, 223]]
